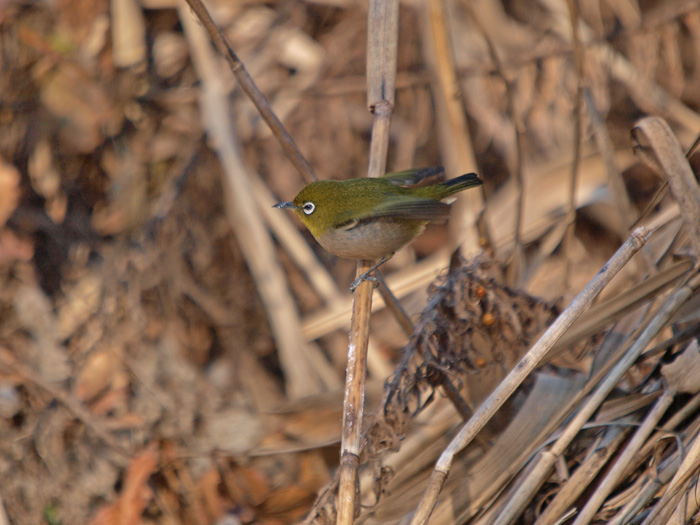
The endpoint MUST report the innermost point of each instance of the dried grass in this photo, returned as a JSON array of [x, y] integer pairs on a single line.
[[157, 365]]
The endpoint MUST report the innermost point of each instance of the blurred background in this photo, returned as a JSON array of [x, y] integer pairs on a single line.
[[172, 349]]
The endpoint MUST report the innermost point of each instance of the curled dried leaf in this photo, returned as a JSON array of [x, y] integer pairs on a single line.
[[472, 331]]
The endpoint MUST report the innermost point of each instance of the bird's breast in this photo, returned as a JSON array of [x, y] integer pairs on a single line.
[[370, 239]]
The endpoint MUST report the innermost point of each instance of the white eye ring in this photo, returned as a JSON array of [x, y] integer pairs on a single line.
[[308, 208]]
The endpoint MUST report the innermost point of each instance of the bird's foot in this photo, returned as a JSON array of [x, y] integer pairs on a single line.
[[366, 276]]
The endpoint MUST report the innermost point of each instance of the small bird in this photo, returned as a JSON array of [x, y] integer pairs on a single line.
[[371, 218]]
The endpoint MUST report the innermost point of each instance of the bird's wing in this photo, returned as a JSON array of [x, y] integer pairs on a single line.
[[413, 176], [400, 207]]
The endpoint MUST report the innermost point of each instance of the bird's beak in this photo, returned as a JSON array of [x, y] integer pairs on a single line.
[[284, 205]]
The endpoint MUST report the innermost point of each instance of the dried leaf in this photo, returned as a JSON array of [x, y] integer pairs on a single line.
[[97, 374], [9, 190], [683, 373], [135, 494]]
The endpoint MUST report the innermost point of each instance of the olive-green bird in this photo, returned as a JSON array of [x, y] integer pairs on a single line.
[[371, 218]]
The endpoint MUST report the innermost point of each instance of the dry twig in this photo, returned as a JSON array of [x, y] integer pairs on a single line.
[[248, 85]]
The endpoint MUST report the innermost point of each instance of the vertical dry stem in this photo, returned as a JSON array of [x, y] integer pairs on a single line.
[[575, 163], [677, 487], [353, 403], [382, 45], [456, 145]]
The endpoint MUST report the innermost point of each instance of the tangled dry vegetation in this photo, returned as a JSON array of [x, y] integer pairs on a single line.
[[172, 349]]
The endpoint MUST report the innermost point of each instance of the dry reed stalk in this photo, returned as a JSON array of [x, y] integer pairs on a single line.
[[382, 47], [586, 472], [601, 315], [645, 491], [677, 487], [578, 138], [526, 365], [668, 427], [244, 217], [656, 144], [515, 270], [353, 399], [614, 475], [547, 459], [453, 128], [648, 486]]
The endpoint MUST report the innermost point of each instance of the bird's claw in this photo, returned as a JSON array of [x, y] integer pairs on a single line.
[[364, 277]]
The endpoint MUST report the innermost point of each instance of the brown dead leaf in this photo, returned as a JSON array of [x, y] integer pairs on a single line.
[[208, 494], [684, 373], [247, 486], [14, 248], [288, 499], [97, 374], [135, 495], [9, 190], [86, 114]]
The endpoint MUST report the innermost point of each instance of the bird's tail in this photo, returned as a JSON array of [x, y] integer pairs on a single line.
[[460, 183]]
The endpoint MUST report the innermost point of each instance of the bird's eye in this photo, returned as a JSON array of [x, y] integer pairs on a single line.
[[308, 208]]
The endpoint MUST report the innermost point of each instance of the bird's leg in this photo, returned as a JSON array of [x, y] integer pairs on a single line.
[[366, 275]]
